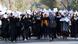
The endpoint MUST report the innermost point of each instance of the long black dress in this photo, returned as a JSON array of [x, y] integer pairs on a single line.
[[73, 27], [58, 26]]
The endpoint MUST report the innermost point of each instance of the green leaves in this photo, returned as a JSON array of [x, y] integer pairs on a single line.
[[74, 5], [22, 5], [48, 3], [18, 4]]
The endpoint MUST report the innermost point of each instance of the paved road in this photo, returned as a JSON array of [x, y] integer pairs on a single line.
[[46, 42], [43, 41]]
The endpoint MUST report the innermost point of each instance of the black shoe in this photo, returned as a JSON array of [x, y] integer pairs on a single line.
[[51, 39]]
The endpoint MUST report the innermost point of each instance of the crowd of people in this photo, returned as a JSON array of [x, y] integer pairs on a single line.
[[39, 23]]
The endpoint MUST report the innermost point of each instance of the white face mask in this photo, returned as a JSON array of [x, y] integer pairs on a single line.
[[29, 16], [5, 16], [58, 16], [0, 22]]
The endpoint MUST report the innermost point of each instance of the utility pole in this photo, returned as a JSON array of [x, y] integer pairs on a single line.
[[10, 5]]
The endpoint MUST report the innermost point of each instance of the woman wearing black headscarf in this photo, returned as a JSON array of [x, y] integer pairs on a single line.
[[58, 26]]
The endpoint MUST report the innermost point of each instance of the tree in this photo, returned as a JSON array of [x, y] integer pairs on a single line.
[[74, 4], [18, 4], [48, 3], [22, 5]]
